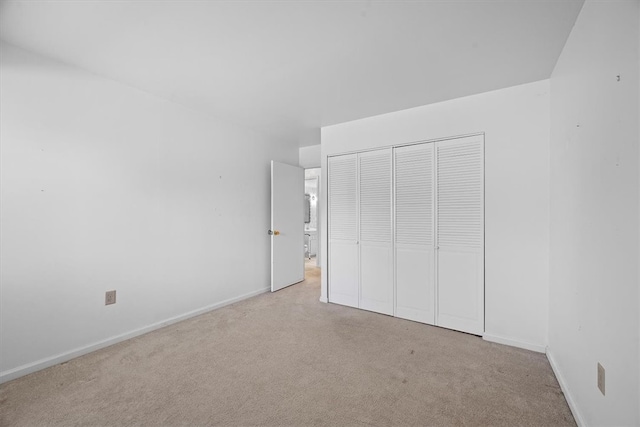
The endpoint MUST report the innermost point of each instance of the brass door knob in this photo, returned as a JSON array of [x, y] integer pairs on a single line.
[[276, 232]]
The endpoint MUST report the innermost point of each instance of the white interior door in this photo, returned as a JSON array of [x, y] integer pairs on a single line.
[[376, 231], [415, 242], [287, 225], [406, 232], [460, 234], [343, 230]]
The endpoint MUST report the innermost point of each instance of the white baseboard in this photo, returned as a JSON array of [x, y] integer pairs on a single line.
[[29, 368], [565, 389], [514, 343], [323, 299]]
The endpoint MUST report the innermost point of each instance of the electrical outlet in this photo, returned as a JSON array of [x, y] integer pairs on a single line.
[[601, 378], [110, 297]]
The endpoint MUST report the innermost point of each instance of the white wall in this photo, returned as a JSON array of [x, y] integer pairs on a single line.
[[309, 157], [594, 214], [516, 124], [106, 187]]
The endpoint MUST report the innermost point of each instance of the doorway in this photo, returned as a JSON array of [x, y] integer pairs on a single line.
[[311, 221]]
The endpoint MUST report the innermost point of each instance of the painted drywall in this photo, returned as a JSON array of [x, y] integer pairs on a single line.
[[106, 187], [593, 312], [516, 126], [309, 157]]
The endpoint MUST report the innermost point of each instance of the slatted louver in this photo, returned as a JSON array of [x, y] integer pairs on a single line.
[[375, 196], [460, 194], [343, 197], [414, 194]]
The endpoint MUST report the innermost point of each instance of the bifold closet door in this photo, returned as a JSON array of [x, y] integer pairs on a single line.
[[415, 257], [376, 232], [343, 230], [460, 234]]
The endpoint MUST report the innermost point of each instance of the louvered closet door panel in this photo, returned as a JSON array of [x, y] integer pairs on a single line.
[[343, 231], [414, 200], [460, 234], [376, 249]]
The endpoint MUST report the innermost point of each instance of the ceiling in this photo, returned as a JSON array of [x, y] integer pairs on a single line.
[[290, 67]]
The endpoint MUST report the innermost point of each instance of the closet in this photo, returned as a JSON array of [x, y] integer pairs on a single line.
[[406, 232]]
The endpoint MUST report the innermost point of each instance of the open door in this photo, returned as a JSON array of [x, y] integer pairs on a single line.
[[287, 225]]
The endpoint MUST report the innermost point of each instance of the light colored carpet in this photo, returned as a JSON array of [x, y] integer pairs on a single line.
[[287, 359]]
